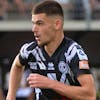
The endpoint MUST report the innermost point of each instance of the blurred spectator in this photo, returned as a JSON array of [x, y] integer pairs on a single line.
[[67, 7], [95, 6], [3, 9], [78, 11], [23, 5], [19, 9], [20, 6]]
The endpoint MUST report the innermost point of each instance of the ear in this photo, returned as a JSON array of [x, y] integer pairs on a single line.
[[58, 24]]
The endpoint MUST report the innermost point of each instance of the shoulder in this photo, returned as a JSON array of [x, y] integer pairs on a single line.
[[74, 49], [71, 43], [27, 48]]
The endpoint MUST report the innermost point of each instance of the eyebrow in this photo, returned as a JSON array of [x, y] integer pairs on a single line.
[[38, 21]]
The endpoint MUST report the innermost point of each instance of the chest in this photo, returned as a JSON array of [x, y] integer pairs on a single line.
[[56, 68]]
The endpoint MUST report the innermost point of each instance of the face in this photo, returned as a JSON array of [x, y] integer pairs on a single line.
[[43, 28]]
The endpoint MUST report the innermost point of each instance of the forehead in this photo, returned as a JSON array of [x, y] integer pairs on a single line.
[[37, 17]]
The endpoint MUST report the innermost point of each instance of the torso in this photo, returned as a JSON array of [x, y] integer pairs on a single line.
[[57, 67]]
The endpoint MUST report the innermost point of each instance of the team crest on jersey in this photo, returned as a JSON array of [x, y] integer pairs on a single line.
[[63, 67]]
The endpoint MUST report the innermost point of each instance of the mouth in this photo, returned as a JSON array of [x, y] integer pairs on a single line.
[[37, 38]]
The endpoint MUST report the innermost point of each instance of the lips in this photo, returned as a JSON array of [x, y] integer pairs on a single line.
[[37, 38]]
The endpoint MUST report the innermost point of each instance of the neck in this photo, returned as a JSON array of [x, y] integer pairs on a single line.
[[51, 47]]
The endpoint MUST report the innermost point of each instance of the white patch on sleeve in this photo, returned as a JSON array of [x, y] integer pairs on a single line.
[[23, 51], [81, 54]]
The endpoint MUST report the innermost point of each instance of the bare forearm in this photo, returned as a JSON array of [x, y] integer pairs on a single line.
[[74, 92], [15, 77], [84, 92]]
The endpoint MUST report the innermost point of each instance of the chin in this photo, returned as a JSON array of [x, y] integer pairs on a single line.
[[40, 44]]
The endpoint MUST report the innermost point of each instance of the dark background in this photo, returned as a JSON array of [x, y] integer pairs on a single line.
[[11, 42]]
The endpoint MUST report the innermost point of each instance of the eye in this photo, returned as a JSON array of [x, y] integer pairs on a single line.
[[39, 23]]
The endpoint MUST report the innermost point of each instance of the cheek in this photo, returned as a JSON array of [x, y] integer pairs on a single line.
[[44, 35], [47, 32], [44, 31]]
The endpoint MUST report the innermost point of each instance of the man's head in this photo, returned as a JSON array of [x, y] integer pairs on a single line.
[[49, 7], [47, 18]]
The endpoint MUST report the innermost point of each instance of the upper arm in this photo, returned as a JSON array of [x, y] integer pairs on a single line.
[[81, 69], [86, 80], [87, 83], [17, 62], [86, 77]]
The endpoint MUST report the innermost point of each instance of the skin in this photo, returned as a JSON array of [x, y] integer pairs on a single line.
[[48, 32], [1, 94]]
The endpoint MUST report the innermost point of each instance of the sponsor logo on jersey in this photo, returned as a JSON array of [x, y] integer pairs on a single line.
[[50, 66], [33, 65]]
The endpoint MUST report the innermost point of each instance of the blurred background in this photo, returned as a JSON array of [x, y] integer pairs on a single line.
[[82, 24]]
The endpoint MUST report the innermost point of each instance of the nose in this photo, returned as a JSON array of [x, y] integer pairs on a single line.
[[34, 28]]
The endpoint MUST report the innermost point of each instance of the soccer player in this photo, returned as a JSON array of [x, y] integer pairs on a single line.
[[59, 65]]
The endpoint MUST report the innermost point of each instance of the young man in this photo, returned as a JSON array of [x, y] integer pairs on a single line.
[[59, 66]]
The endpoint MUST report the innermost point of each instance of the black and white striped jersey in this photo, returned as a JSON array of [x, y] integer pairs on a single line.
[[62, 66]]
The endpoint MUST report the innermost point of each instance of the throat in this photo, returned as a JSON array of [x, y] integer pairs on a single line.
[[52, 48]]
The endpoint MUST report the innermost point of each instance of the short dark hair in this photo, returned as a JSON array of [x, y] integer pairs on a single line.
[[49, 7]]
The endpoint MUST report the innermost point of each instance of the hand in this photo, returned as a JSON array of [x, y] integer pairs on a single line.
[[39, 81]]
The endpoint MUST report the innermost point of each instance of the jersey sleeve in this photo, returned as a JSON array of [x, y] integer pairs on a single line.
[[23, 54], [78, 55]]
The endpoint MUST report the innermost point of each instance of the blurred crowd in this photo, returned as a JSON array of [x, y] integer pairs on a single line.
[[16, 7], [75, 9]]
